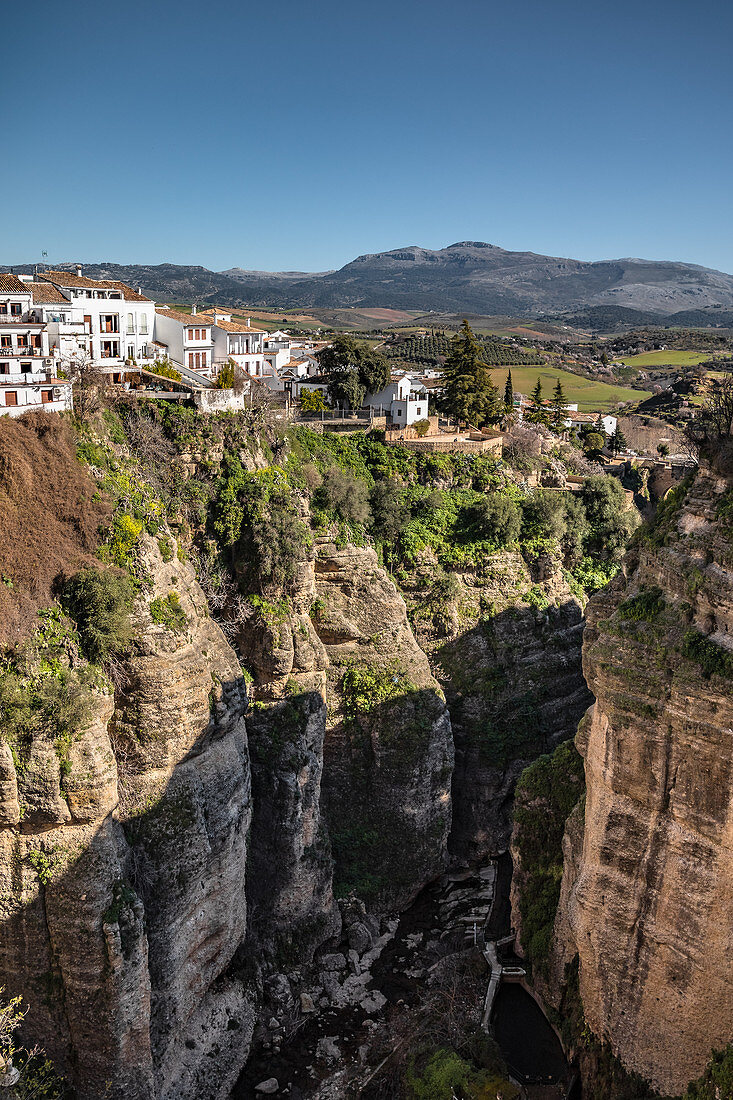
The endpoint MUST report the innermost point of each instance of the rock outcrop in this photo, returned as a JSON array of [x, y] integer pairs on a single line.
[[389, 748], [123, 873], [506, 646], [648, 878]]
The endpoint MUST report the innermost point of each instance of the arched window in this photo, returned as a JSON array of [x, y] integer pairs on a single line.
[[144, 324], [130, 323]]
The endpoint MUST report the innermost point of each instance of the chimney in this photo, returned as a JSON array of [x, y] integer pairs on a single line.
[[248, 321], [139, 290], [78, 271], [193, 308]]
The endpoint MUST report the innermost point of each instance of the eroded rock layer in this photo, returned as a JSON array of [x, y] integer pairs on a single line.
[[647, 894]]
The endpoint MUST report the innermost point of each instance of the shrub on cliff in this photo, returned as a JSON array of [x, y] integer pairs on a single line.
[[99, 602], [716, 1082]]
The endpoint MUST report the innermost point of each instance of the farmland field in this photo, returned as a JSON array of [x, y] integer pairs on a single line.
[[590, 396], [665, 358]]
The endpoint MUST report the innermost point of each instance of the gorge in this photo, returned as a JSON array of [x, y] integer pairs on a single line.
[[304, 698]]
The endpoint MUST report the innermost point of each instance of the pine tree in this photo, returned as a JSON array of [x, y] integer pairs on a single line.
[[559, 405], [538, 413], [509, 392], [469, 393]]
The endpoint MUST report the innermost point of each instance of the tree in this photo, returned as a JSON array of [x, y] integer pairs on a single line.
[[559, 406], [225, 377], [617, 442], [353, 369], [88, 383], [496, 517], [469, 393], [509, 392], [312, 401], [537, 413], [593, 444], [663, 449]]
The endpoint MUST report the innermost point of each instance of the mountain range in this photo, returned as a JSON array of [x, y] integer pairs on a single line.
[[467, 276]]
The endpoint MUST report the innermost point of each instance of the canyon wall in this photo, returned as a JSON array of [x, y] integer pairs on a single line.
[[648, 876]]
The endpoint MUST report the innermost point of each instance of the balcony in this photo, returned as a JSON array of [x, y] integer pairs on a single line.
[[19, 319], [16, 352]]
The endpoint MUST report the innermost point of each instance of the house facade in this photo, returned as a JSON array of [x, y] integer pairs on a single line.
[[27, 370], [105, 318], [401, 401], [188, 338], [236, 340]]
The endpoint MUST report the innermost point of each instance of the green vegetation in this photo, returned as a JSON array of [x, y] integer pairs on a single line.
[[716, 1082], [589, 395], [431, 350], [669, 358], [469, 393], [99, 602], [163, 368], [546, 793], [312, 401], [353, 369], [167, 611], [646, 606], [713, 659], [446, 1074]]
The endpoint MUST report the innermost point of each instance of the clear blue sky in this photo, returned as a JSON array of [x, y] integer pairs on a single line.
[[298, 135]]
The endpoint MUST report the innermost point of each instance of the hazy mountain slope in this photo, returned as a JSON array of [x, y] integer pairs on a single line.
[[469, 275]]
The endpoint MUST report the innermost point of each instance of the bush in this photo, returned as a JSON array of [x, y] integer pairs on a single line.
[[543, 516], [712, 658], [421, 427], [167, 611], [163, 368], [644, 607], [312, 401], [99, 602], [497, 519], [344, 494]]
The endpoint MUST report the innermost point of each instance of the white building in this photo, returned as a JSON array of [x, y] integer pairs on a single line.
[[400, 401], [236, 340], [27, 375], [591, 420], [188, 337], [105, 317]]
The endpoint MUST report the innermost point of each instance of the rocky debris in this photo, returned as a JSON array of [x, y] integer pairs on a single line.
[[268, 1087], [648, 872]]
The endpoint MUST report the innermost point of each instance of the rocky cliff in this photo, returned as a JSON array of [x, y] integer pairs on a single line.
[[648, 878]]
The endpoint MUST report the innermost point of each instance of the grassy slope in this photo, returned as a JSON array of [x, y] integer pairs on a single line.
[[590, 396], [666, 358]]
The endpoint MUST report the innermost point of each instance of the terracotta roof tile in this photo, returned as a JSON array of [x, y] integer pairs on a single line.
[[193, 319], [11, 284], [44, 293]]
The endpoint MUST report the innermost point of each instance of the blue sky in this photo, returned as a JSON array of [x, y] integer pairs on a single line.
[[299, 135]]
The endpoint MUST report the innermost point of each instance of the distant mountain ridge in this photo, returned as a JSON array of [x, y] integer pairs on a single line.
[[469, 275]]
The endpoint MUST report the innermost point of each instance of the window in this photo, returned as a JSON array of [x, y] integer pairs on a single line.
[[143, 324], [203, 358], [11, 398], [130, 323], [190, 334], [418, 411], [190, 359], [4, 368], [5, 342], [25, 368], [15, 309], [22, 340], [46, 397], [3, 308]]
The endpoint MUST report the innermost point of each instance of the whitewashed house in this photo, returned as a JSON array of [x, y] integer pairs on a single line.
[[236, 340], [104, 317], [188, 338], [400, 401], [27, 375]]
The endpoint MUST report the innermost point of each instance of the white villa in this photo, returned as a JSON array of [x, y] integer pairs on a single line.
[[27, 369], [188, 338], [402, 400], [235, 340]]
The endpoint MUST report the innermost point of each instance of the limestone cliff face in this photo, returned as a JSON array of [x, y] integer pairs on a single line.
[[123, 881], [506, 648], [388, 748], [647, 887]]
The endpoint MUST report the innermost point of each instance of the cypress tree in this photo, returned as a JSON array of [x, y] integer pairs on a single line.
[[469, 393], [559, 406], [509, 392]]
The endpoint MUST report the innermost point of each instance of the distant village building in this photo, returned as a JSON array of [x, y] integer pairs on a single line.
[[402, 400], [188, 338], [239, 341]]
